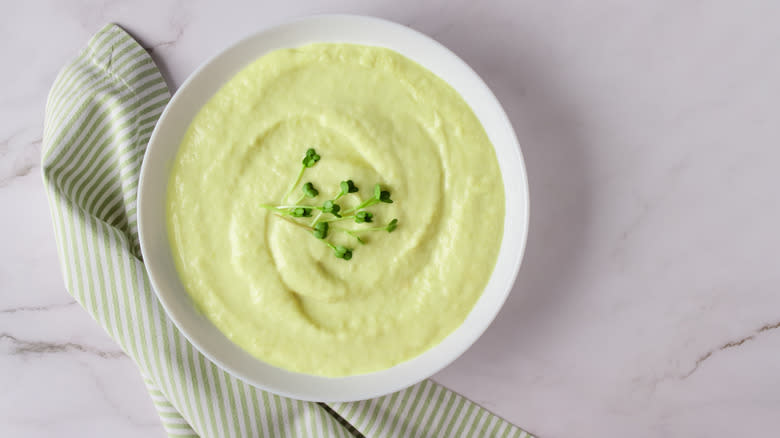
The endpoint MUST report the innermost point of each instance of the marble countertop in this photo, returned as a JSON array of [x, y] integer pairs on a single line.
[[649, 300]]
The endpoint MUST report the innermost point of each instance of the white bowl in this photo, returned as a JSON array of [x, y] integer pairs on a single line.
[[196, 91]]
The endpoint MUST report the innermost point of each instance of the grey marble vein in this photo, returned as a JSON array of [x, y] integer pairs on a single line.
[[26, 347], [728, 345], [45, 308]]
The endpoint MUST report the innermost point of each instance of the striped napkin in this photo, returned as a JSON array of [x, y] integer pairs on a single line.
[[99, 116]]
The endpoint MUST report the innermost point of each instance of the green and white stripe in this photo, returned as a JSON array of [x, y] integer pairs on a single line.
[[99, 117]]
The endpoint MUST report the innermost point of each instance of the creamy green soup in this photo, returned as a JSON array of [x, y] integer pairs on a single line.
[[375, 117]]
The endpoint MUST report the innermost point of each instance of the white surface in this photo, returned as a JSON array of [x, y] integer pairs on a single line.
[[196, 92], [651, 138]]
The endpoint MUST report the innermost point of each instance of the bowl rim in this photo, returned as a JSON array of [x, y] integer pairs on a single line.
[[321, 392]]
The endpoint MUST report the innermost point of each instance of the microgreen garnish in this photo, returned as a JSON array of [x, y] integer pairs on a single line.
[[309, 190], [347, 187], [382, 195], [392, 225], [379, 196], [342, 252], [353, 233], [363, 216], [300, 212], [331, 207], [321, 228], [309, 160]]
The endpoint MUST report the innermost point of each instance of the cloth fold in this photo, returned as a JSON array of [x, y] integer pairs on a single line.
[[100, 114]]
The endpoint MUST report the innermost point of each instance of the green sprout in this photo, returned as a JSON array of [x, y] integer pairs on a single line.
[[346, 187], [330, 207], [342, 252], [363, 217], [320, 229], [300, 212], [353, 233], [379, 196], [382, 195], [360, 217], [390, 227], [309, 160], [309, 190]]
